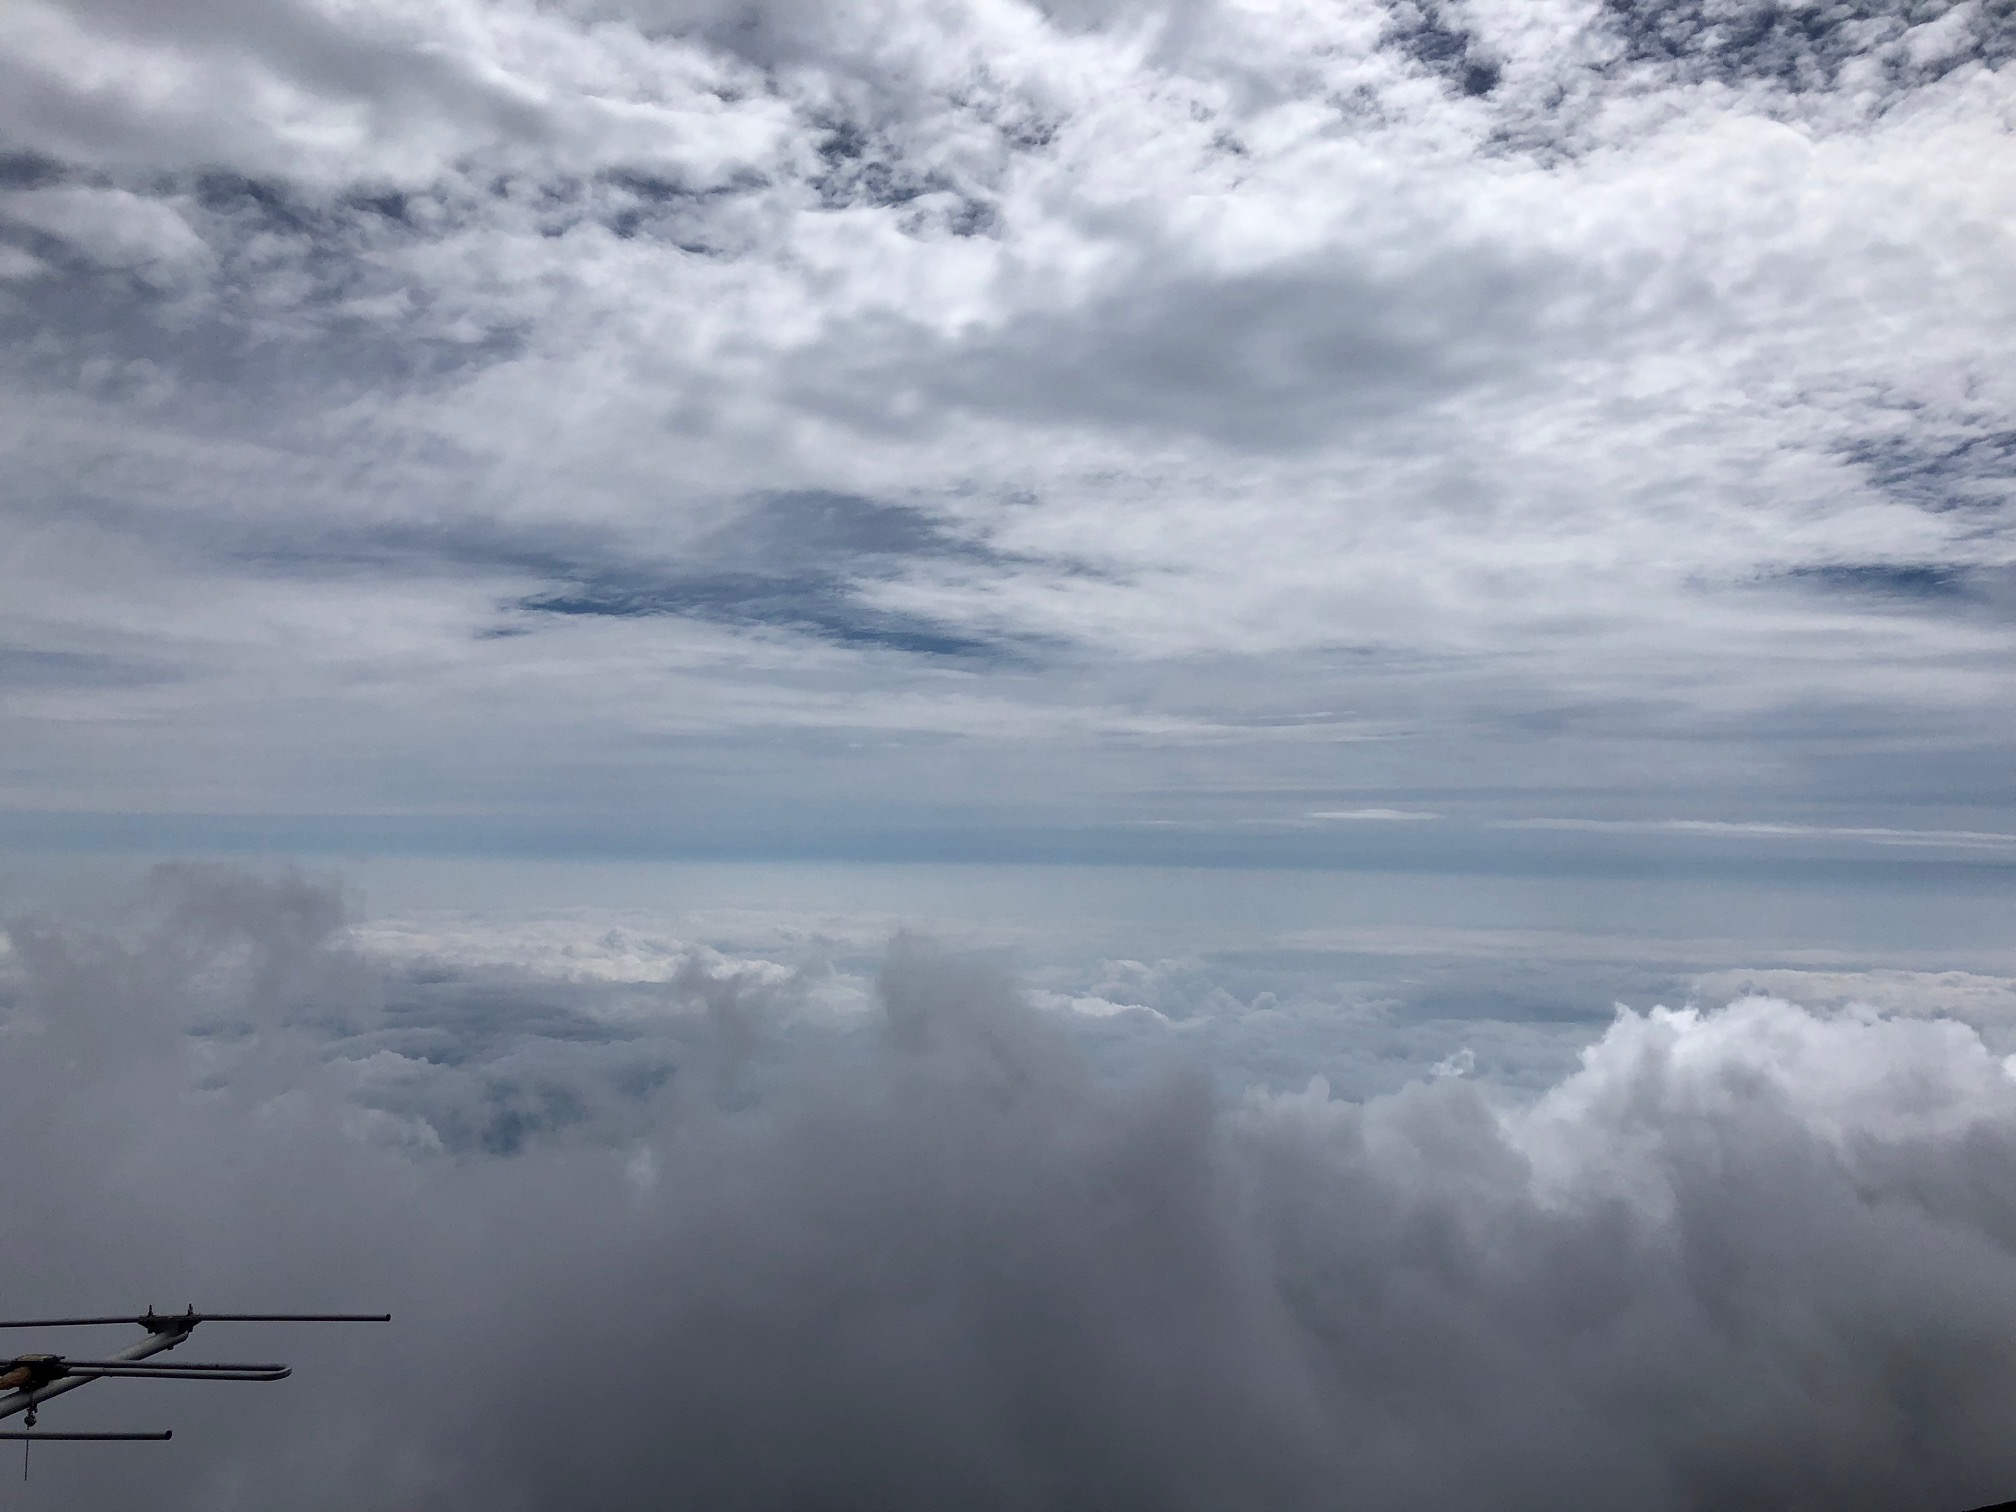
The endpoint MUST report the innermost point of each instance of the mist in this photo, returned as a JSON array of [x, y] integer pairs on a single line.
[[723, 1243]]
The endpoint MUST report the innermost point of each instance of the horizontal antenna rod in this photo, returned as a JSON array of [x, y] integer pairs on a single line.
[[152, 1320], [176, 1373], [138, 1365], [165, 1433], [291, 1317]]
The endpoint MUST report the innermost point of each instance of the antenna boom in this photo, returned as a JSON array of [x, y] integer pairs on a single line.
[[153, 1320]]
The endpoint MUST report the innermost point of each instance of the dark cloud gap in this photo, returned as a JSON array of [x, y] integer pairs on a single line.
[[643, 202], [1426, 32], [294, 272], [795, 561], [1801, 48], [1941, 469], [1888, 579], [270, 205], [1954, 587], [801, 562], [860, 167], [820, 606], [930, 1256], [798, 561], [860, 171], [30, 170]]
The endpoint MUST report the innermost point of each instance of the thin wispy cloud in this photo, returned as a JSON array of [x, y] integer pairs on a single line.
[[1762, 829], [1375, 815]]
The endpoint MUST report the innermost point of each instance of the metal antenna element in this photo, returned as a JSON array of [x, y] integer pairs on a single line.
[[182, 1322], [28, 1380], [34, 1369]]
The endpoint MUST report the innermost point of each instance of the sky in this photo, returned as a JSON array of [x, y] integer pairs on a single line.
[[1529, 435], [1178, 755]]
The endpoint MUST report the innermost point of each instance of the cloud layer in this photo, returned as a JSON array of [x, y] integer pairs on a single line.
[[1023, 420], [923, 1253]]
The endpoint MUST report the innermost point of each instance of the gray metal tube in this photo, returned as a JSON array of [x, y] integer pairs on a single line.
[[21, 1401]]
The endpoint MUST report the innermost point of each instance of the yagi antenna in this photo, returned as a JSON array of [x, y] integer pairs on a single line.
[[29, 1380]]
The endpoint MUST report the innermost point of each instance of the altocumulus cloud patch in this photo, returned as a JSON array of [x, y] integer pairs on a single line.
[[1136, 374]]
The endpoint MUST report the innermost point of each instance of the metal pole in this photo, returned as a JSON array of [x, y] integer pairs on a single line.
[[154, 1343]]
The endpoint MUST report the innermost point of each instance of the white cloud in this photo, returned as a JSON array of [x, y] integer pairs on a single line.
[[111, 227], [1376, 815], [15, 263], [1239, 361], [1988, 1003], [1767, 830], [1739, 1254]]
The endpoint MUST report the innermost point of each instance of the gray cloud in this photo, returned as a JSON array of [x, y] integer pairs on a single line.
[[1801, 48], [999, 413], [1757, 1257], [1113, 430], [1974, 468], [1284, 359]]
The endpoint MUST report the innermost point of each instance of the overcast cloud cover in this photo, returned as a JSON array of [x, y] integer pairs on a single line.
[[1078, 756]]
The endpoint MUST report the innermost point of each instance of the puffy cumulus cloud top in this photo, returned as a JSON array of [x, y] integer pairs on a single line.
[[746, 1234], [678, 423]]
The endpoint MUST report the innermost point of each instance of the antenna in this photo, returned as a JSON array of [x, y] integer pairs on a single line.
[[155, 1322], [27, 1381], [57, 1366]]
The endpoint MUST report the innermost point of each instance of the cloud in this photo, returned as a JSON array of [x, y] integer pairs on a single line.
[[1801, 50], [1376, 815], [797, 561], [1288, 357], [1867, 834], [109, 227], [923, 1254], [1609, 390], [1986, 1002]]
